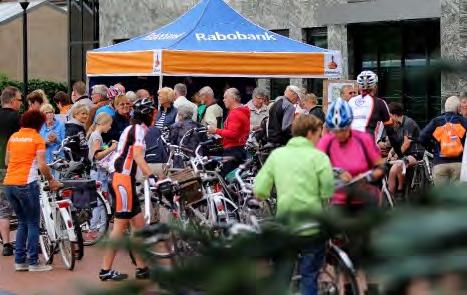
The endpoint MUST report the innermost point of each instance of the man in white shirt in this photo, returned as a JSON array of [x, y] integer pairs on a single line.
[[180, 99], [213, 116]]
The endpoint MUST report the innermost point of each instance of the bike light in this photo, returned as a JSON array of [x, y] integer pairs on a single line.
[[68, 193], [105, 195], [70, 223], [98, 185]]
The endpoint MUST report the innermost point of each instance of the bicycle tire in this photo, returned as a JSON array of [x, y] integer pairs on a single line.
[[67, 249], [342, 273], [79, 244], [103, 229], [47, 247]]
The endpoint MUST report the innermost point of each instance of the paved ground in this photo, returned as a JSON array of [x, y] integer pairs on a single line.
[[60, 280]]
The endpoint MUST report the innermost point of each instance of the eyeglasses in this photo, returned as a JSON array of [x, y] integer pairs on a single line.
[[49, 112], [352, 92], [124, 104]]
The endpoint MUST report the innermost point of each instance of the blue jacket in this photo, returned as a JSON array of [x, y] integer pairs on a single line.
[[427, 139], [59, 129], [170, 116]]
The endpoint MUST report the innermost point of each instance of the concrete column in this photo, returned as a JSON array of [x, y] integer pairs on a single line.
[[337, 40], [297, 34], [453, 45]]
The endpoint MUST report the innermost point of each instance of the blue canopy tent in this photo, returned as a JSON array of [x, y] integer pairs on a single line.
[[213, 40]]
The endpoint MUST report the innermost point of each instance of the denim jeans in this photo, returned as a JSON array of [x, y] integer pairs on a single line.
[[311, 262], [24, 199], [99, 213]]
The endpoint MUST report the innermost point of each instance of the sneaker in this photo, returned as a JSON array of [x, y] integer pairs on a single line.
[[90, 235], [21, 267], [112, 275], [142, 273], [7, 250], [40, 267]]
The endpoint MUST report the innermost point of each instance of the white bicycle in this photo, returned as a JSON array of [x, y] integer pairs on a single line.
[[57, 230]]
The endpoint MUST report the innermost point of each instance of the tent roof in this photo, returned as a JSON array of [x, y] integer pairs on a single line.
[[212, 25]]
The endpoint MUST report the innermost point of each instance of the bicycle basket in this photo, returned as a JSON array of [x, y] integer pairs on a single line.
[[190, 191], [84, 193]]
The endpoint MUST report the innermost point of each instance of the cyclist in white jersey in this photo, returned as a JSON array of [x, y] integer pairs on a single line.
[[367, 109]]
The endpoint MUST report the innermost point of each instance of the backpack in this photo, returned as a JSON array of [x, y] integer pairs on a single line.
[[449, 138]]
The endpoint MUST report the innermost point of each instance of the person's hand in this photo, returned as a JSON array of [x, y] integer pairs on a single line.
[[407, 142], [211, 129], [345, 176], [152, 179], [52, 137], [113, 146], [54, 185]]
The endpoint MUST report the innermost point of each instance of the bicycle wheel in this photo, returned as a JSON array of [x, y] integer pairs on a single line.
[[336, 276], [67, 249], [46, 245], [93, 233]]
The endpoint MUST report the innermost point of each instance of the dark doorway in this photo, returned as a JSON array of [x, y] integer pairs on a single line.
[[401, 54]]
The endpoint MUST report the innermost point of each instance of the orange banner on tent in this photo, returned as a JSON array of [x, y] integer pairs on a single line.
[[227, 63], [101, 63]]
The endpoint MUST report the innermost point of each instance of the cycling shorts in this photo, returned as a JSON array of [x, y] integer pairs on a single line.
[[126, 202]]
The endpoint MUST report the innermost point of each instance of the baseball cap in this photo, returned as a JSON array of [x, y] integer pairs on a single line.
[[297, 91]]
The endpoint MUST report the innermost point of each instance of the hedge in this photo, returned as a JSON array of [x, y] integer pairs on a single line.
[[49, 87]]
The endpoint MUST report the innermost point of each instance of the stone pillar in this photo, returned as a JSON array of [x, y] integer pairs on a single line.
[[337, 40], [453, 45], [264, 83], [297, 34]]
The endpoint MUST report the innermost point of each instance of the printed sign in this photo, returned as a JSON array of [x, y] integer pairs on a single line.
[[332, 64], [332, 90], [157, 67]]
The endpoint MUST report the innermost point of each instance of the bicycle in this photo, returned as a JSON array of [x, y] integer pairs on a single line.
[[57, 231]]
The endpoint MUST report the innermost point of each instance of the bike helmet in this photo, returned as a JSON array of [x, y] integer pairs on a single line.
[[113, 92], [367, 79], [339, 115], [143, 106]]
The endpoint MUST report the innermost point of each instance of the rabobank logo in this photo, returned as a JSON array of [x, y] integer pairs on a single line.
[[163, 36], [235, 36]]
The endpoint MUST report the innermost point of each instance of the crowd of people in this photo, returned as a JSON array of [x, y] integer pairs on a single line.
[[358, 132]]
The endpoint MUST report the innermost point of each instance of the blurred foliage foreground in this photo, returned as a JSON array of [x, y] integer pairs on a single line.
[[424, 239]]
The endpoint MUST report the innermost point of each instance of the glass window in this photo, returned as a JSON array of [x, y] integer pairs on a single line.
[[400, 53]]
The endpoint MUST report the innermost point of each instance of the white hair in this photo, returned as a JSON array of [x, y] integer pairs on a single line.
[[185, 112], [131, 96], [206, 90], [452, 104]]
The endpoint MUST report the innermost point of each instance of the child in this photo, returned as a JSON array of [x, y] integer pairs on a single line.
[[98, 151]]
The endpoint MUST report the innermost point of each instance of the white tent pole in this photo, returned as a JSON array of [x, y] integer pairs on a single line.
[[160, 81]]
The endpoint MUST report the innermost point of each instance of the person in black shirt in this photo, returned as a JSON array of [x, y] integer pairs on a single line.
[[9, 120], [310, 104], [401, 136]]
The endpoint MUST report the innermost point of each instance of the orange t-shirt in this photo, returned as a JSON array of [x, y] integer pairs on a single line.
[[22, 149]]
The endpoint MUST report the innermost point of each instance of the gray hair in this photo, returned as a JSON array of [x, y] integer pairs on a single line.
[[185, 112], [131, 96], [260, 92], [346, 87], [180, 88], [99, 89], [463, 95], [452, 104], [234, 93], [206, 90], [9, 94]]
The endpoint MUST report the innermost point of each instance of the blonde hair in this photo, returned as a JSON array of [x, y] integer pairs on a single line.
[[101, 119], [168, 92], [47, 108], [311, 97], [120, 98], [42, 94], [305, 123], [78, 109]]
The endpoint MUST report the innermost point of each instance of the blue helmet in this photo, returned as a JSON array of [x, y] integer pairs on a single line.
[[339, 115]]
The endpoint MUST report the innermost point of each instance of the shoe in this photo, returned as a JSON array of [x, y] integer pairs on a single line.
[[40, 267], [90, 235], [142, 273], [21, 267], [113, 275], [7, 250]]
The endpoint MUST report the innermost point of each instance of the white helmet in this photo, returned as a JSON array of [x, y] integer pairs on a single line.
[[367, 79]]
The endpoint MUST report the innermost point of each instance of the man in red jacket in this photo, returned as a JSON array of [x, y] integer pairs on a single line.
[[236, 130]]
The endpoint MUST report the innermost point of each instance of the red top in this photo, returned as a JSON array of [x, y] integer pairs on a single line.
[[236, 128]]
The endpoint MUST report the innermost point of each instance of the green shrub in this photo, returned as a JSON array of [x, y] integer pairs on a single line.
[[49, 87]]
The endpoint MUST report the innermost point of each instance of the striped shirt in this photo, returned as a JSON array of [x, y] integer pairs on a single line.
[[161, 121]]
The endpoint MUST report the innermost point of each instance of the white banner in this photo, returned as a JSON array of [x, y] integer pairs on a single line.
[[157, 62], [333, 64]]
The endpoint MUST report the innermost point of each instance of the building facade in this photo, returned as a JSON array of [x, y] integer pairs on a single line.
[[401, 40]]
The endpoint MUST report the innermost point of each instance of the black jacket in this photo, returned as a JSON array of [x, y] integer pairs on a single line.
[[79, 146], [281, 116], [119, 123], [317, 111]]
